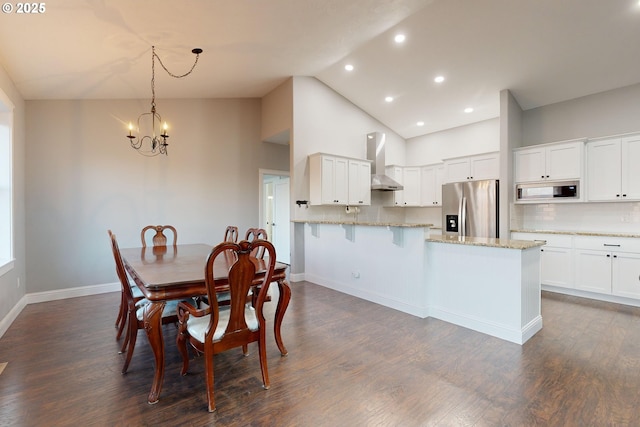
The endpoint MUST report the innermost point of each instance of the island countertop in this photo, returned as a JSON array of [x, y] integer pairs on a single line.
[[486, 241], [364, 223]]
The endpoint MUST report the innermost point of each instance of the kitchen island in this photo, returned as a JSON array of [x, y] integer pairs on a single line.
[[488, 285]]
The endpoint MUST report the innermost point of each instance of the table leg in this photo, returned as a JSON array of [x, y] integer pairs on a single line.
[[281, 308], [153, 327]]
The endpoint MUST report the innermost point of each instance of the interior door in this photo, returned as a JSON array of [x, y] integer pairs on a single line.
[[281, 225]]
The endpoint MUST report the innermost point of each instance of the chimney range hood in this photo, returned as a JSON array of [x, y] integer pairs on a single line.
[[375, 153]]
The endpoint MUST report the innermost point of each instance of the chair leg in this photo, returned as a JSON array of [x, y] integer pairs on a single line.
[[208, 365], [122, 312], [262, 350], [132, 335], [245, 349], [181, 343]]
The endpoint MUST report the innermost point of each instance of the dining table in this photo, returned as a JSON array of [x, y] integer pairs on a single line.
[[165, 273]]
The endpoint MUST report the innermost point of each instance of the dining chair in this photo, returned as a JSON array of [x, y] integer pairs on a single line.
[[231, 234], [254, 234], [219, 328], [134, 307], [159, 239]]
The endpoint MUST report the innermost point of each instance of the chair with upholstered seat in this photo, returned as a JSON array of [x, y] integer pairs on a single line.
[[159, 239], [219, 328], [134, 307]]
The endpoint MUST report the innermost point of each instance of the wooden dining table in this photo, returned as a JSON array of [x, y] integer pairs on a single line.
[[165, 273]]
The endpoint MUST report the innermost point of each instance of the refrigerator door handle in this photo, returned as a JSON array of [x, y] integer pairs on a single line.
[[463, 217]]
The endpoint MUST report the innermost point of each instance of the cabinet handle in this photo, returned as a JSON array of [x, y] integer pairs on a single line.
[[541, 176], [615, 246], [547, 176], [617, 195], [624, 195], [608, 255], [615, 256]]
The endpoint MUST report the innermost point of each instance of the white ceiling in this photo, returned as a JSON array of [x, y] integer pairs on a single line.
[[544, 51]]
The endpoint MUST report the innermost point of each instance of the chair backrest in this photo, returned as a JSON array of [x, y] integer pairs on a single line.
[[255, 234], [159, 239], [120, 270], [241, 278], [231, 234]]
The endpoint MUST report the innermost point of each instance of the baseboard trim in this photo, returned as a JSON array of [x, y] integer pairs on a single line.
[[80, 291], [6, 322], [59, 294]]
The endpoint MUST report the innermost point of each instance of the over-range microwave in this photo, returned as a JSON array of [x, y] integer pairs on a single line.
[[548, 191]]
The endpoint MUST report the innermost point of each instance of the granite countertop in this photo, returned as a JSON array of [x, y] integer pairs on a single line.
[[577, 233], [365, 223], [486, 241]]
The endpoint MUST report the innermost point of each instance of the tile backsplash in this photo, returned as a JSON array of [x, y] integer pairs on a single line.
[[620, 217]]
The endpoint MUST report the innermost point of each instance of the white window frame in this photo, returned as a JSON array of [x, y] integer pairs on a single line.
[[6, 182]]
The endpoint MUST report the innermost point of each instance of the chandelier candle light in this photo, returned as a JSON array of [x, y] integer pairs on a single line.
[[156, 143]]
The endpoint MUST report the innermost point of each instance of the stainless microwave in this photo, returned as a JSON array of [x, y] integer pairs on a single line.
[[548, 191]]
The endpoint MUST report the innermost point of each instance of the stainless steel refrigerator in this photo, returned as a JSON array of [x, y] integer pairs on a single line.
[[470, 208]]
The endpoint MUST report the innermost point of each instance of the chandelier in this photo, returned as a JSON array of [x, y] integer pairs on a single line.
[[156, 142]]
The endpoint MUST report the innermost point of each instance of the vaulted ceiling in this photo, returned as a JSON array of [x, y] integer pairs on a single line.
[[544, 51]]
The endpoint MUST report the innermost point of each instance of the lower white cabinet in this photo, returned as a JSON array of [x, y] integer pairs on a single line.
[[608, 265], [556, 258]]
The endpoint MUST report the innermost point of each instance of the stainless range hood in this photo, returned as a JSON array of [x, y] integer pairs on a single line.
[[375, 153]]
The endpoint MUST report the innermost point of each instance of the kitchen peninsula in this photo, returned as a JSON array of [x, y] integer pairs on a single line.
[[488, 285]]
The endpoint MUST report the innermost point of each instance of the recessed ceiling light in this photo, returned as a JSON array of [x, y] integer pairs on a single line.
[[439, 79], [389, 99], [468, 110], [420, 123], [348, 67], [399, 38]]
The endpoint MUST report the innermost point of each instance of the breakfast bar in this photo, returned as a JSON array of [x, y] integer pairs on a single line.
[[488, 285]]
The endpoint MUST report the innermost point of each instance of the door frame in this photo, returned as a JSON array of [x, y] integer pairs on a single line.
[[261, 208]]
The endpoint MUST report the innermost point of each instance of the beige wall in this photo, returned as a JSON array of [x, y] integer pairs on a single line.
[[83, 178], [10, 293]]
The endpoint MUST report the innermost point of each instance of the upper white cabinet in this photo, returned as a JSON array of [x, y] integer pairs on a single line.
[[553, 162], [612, 169], [472, 168], [431, 178], [409, 177], [359, 182], [329, 180]]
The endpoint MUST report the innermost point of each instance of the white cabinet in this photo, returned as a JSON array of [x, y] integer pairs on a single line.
[[612, 169], [553, 162], [556, 258], [409, 177], [608, 265], [472, 168], [431, 178], [359, 182], [328, 179]]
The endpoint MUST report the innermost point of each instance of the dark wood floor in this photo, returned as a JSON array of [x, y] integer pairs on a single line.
[[350, 363]]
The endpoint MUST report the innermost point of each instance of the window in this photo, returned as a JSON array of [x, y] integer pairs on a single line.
[[6, 188]]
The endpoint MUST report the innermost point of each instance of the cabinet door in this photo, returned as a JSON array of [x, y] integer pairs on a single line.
[[603, 170], [458, 170], [630, 150], [431, 178], [341, 187], [395, 172], [359, 183], [529, 165], [625, 275], [593, 270], [485, 167], [328, 179], [556, 266], [564, 161], [411, 183]]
